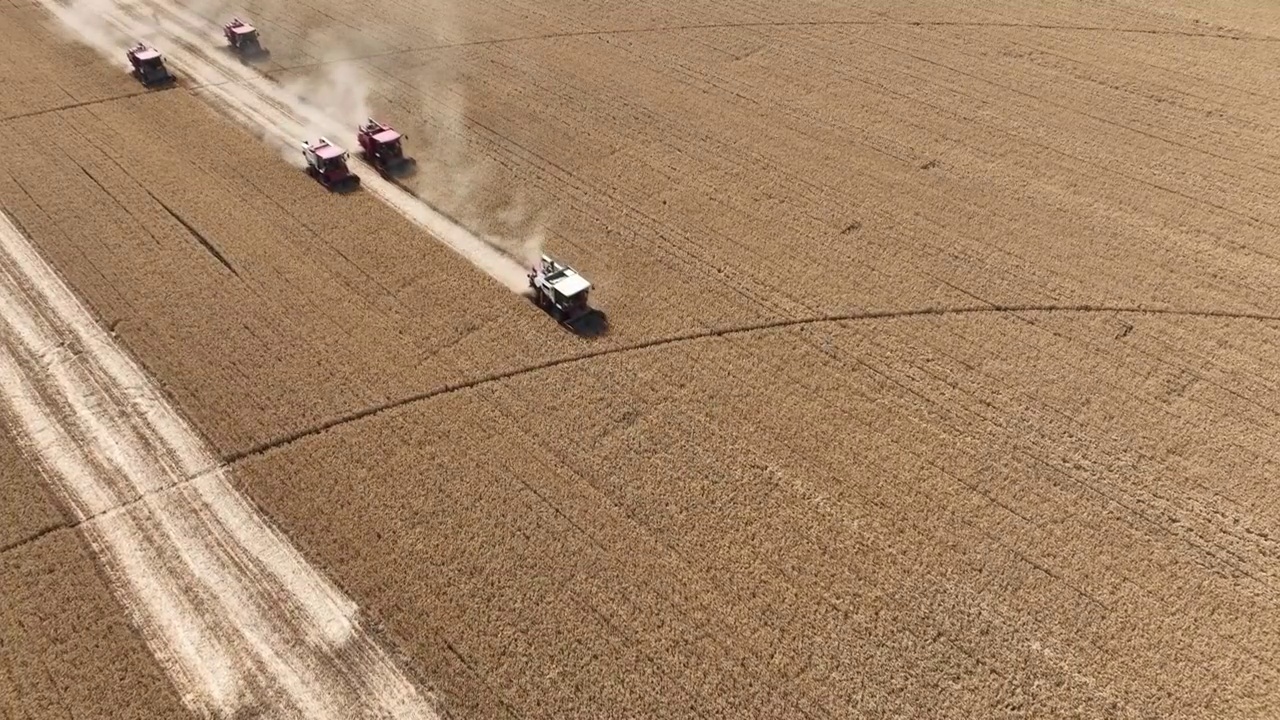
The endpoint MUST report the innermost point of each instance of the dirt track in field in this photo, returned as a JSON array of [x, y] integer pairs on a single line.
[[942, 372], [236, 616]]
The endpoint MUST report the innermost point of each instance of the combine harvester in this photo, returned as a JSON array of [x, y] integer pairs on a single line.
[[560, 290], [380, 147], [259, 103], [148, 66], [327, 163], [243, 40]]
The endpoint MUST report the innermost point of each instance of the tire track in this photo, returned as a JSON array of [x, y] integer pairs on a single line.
[[34, 537], [354, 416], [233, 612], [82, 103], [197, 236]]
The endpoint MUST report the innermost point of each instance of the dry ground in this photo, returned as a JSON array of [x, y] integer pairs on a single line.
[[949, 465]]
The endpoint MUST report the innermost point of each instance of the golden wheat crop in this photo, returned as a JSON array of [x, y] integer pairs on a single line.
[[942, 378]]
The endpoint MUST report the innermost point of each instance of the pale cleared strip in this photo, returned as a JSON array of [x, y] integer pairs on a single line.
[[328, 610], [324, 603], [79, 485], [177, 630], [205, 553], [139, 473], [268, 637], [190, 46], [153, 604], [202, 563], [70, 379]]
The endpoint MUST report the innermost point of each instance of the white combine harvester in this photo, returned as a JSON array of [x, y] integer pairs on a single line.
[[559, 290]]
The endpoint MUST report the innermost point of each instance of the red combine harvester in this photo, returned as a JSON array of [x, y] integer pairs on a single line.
[[380, 147], [327, 163], [243, 39], [148, 65]]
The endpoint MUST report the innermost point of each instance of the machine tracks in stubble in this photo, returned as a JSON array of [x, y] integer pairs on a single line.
[[711, 334], [198, 237], [232, 611], [229, 607]]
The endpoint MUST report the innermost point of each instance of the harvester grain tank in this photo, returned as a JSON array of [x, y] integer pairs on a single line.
[[327, 163], [380, 146], [560, 290], [148, 65], [243, 39]]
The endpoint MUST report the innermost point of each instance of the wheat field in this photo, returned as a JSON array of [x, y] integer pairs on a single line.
[[942, 376]]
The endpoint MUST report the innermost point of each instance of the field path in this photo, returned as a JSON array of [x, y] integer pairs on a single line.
[[231, 609]]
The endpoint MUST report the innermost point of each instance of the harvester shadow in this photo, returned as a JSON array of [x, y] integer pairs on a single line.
[[251, 59], [169, 82], [592, 324], [345, 187], [406, 170]]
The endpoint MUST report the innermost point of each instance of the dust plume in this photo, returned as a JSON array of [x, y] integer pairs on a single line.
[[85, 21], [339, 91], [456, 173], [449, 175], [336, 94]]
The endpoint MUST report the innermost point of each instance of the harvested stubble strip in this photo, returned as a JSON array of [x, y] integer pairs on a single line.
[[67, 646]]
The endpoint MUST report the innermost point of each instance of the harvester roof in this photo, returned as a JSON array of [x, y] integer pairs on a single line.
[[327, 151], [568, 282], [146, 54], [243, 29], [386, 136]]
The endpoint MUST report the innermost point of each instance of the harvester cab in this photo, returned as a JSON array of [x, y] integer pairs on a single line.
[[243, 38], [559, 290], [381, 147], [327, 163], [148, 65]]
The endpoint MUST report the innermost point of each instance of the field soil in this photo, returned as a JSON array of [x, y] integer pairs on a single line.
[[941, 378]]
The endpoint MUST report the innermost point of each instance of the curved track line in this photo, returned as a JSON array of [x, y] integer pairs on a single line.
[[83, 103], [285, 440], [778, 24]]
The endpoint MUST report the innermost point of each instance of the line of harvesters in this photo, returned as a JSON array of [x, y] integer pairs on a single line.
[[557, 288], [380, 144]]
